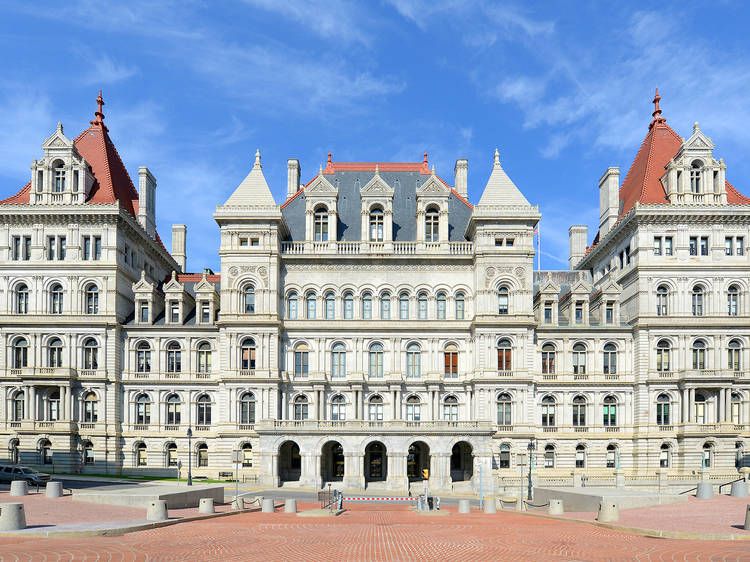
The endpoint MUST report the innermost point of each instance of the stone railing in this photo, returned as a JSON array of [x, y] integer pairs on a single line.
[[366, 425], [464, 248]]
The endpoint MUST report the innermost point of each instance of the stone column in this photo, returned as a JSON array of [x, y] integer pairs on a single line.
[[32, 403], [354, 476], [691, 407], [685, 401], [63, 403], [396, 479], [721, 406]]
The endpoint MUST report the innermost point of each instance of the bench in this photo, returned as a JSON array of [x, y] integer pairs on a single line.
[[226, 475]]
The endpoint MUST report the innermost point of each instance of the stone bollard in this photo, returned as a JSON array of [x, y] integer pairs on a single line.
[[54, 490], [619, 479], [206, 505], [608, 511], [705, 491], [490, 506], [738, 489], [157, 511], [268, 506], [12, 517], [19, 488], [238, 503], [290, 506], [747, 518], [577, 479], [555, 507], [464, 506]]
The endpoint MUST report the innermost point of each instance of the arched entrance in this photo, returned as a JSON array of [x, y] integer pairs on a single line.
[[332, 462], [290, 462], [462, 462], [417, 460], [376, 462]]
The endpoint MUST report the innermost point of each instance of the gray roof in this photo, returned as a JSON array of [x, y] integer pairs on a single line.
[[349, 206]]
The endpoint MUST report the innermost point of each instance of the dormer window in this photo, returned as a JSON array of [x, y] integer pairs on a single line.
[[376, 225], [696, 170], [205, 312], [143, 312], [431, 225], [59, 183], [174, 312], [321, 224]]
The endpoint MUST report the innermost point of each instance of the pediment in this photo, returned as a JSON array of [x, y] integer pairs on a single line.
[[579, 288], [550, 288], [143, 286], [433, 186], [377, 186], [203, 286], [173, 286], [321, 186], [611, 288], [57, 140]]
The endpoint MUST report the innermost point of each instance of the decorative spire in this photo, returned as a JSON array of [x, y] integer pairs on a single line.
[[497, 158], [377, 169], [98, 115], [433, 169], [257, 159], [657, 110], [329, 160], [321, 170], [59, 127], [696, 127], [425, 159]]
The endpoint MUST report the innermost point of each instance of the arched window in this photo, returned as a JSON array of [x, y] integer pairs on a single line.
[[708, 454], [431, 225], [385, 306], [90, 354], [142, 410], [301, 360], [174, 357], [662, 300], [502, 300], [549, 456], [579, 359], [441, 306], [19, 406], [88, 452], [450, 408], [413, 361], [248, 298], [92, 299], [20, 353], [504, 355], [579, 411], [311, 301], [663, 355], [247, 354], [204, 410], [140, 454], [450, 361], [422, 306], [375, 408], [665, 456], [580, 456], [609, 356], [548, 358], [611, 456], [504, 405], [143, 357], [321, 224], [202, 455], [247, 455], [460, 303], [59, 176], [609, 411], [699, 355], [734, 355], [174, 415], [413, 408], [348, 305], [54, 353], [736, 408], [338, 361], [504, 455], [300, 408], [247, 408], [663, 415], [376, 225], [733, 299], [204, 357], [696, 169], [367, 306], [56, 299], [700, 408], [330, 306], [697, 297], [403, 306], [338, 408], [548, 411], [171, 454], [90, 414], [376, 361], [291, 306], [22, 299]]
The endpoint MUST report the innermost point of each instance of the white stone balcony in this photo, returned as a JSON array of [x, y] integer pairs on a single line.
[[377, 248], [367, 426]]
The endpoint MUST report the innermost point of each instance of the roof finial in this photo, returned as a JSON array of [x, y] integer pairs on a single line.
[[425, 159], [98, 115], [433, 169], [329, 158], [59, 127], [696, 127], [321, 170], [377, 169], [497, 157], [257, 158], [657, 110]]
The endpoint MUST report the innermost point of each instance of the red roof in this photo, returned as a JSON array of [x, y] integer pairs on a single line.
[[195, 277], [734, 197]]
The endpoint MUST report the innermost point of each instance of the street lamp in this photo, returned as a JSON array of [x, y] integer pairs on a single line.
[[531, 447], [190, 457]]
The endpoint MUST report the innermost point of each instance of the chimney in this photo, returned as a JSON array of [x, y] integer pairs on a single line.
[[147, 200], [292, 177], [461, 181], [578, 236], [609, 200], [179, 234]]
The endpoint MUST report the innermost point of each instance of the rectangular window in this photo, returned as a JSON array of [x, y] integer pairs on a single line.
[[451, 364], [509, 241], [579, 313], [693, 245], [728, 246], [16, 248], [657, 245], [27, 248], [205, 313], [87, 247], [627, 253], [622, 259], [740, 246], [548, 313], [144, 312], [62, 241], [243, 241], [51, 246], [704, 245], [668, 250], [174, 311], [97, 247], [254, 241], [300, 363], [610, 314]]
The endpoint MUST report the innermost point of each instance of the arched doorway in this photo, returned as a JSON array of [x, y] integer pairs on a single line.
[[376, 462], [332, 462], [290, 462], [462, 462], [417, 460]]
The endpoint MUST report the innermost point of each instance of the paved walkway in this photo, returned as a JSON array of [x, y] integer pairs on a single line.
[[369, 532]]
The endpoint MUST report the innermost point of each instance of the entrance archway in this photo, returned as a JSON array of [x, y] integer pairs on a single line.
[[376, 462], [332, 462], [417, 460], [462, 462], [290, 462]]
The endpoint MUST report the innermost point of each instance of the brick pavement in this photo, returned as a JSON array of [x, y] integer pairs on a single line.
[[368, 532]]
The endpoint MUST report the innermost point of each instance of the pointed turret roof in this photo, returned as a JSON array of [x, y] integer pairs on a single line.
[[253, 190], [500, 189]]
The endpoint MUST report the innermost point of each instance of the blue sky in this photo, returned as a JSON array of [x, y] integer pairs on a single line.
[[563, 89]]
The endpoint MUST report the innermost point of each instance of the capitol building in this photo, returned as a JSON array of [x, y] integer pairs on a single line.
[[377, 327]]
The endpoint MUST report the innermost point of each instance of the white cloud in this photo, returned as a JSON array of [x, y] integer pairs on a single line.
[[26, 120], [105, 70]]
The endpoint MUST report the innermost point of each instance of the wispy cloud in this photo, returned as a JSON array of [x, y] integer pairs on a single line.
[[26, 119], [104, 70]]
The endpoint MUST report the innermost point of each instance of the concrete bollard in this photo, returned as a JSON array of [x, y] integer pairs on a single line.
[[705, 491], [577, 480], [206, 505], [464, 506], [12, 517], [490, 506], [555, 507], [238, 503], [268, 506], [738, 489], [54, 490], [290, 506], [747, 518], [157, 511], [608, 511], [19, 488]]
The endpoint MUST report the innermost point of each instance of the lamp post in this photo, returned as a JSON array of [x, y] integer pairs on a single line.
[[531, 447], [190, 456]]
